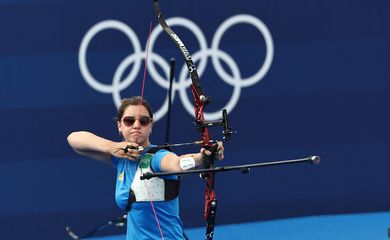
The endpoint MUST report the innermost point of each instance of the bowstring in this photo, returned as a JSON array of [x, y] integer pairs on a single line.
[[146, 63], [139, 115]]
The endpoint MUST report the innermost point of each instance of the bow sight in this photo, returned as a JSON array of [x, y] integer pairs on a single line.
[[227, 131]]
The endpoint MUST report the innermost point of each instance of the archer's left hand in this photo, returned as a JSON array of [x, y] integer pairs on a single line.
[[219, 153]]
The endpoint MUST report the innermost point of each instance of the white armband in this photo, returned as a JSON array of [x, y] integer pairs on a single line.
[[187, 163]]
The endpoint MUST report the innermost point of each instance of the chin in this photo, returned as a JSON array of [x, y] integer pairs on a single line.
[[139, 141]]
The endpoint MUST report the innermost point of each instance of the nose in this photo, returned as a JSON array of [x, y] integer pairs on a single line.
[[137, 124]]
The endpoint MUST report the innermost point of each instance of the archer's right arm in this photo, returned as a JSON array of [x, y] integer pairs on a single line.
[[93, 146]]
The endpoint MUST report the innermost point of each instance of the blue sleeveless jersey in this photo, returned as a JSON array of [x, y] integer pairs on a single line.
[[141, 223]]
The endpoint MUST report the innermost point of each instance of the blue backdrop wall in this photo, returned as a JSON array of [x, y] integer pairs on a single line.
[[298, 78]]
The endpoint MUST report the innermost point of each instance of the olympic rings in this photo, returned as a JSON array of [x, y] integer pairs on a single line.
[[234, 79]]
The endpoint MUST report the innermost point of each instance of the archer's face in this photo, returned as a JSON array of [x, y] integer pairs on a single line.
[[136, 125]]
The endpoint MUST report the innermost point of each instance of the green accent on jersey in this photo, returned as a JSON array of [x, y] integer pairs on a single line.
[[145, 161]]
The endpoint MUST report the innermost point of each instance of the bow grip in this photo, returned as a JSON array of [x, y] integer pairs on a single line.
[[208, 160]]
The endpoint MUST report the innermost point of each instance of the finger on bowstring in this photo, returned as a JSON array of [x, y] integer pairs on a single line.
[[131, 147], [132, 156]]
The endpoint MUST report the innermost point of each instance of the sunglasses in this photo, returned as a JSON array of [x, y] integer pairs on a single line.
[[130, 120]]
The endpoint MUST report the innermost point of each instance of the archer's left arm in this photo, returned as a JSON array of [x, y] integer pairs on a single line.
[[174, 163]]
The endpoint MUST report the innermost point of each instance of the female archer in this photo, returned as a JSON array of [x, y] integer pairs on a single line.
[[152, 205]]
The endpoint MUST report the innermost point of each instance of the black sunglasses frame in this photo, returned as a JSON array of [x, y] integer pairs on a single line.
[[128, 121]]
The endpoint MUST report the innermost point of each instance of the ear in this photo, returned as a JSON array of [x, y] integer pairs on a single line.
[[119, 127]]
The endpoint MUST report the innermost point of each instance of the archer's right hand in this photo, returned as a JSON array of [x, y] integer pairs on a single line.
[[129, 150]]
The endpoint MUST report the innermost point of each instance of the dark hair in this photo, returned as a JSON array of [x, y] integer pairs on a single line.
[[137, 100]]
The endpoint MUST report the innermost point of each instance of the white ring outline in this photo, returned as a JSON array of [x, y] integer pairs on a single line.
[[244, 18], [108, 24], [122, 67], [236, 90]]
